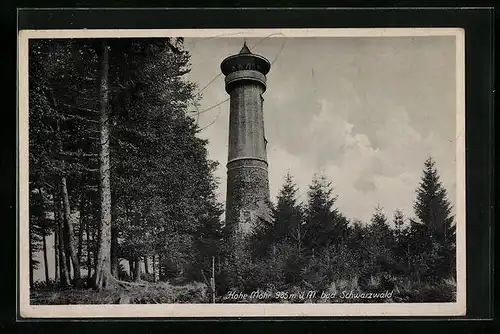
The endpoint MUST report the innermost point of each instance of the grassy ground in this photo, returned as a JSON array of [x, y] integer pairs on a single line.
[[402, 291], [153, 293]]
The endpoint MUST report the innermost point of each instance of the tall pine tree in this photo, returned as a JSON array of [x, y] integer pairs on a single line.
[[325, 225], [380, 242], [287, 213], [434, 213], [158, 186], [286, 226]]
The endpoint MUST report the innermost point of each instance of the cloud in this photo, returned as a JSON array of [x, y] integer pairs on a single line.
[[366, 112], [364, 184]]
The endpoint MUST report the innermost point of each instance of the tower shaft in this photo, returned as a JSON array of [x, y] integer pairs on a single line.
[[247, 197]]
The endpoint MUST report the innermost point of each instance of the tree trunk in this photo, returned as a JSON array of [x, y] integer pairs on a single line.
[[103, 269], [80, 228], [89, 258], [114, 251], [71, 236], [62, 260], [95, 237], [65, 228], [213, 279], [56, 252], [65, 242], [146, 265], [137, 269], [32, 264], [46, 264], [67, 257], [154, 268], [131, 268], [161, 270]]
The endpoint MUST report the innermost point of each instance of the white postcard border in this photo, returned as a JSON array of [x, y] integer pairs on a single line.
[[236, 310]]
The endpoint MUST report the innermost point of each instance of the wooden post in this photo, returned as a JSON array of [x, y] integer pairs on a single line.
[[213, 279]]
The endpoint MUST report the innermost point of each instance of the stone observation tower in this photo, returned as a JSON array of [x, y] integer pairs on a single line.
[[247, 198]]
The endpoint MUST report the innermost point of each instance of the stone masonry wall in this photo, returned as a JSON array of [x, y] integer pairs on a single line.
[[247, 194]]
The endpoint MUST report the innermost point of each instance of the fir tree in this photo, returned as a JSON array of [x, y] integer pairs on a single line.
[[162, 197], [380, 228], [434, 213], [325, 225], [287, 213], [380, 242], [160, 164], [401, 234], [286, 226], [398, 221], [432, 206]]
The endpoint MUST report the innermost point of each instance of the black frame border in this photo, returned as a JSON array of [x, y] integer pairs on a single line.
[[479, 39]]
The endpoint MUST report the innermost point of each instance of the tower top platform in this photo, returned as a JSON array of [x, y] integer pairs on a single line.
[[245, 60]]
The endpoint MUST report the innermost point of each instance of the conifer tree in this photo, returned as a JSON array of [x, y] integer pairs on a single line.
[[287, 213], [435, 221], [162, 178], [403, 242], [159, 189], [55, 133], [325, 225], [432, 206], [36, 233], [380, 241], [286, 226], [398, 221], [380, 229], [356, 242]]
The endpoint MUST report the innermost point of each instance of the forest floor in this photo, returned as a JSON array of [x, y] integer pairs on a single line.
[[195, 292], [149, 293]]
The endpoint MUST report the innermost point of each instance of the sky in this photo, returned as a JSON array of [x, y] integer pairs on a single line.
[[364, 111]]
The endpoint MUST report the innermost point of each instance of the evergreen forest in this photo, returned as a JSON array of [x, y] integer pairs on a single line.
[[122, 186]]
